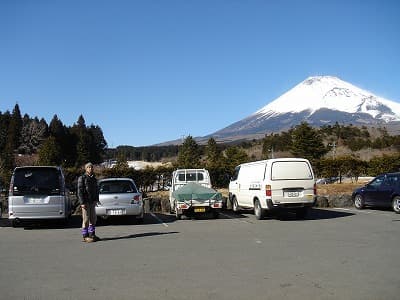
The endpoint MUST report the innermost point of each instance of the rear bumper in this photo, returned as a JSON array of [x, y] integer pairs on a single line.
[[272, 206], [12, 215], [131, 210], [194, 208]]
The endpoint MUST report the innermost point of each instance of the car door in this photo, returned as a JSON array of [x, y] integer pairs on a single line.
[[371, 191], [234, 184], [385, 192]]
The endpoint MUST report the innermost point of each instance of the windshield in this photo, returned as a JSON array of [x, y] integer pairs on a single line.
[[43, 181], [117, 186]]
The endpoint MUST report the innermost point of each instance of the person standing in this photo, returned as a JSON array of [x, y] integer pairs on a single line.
[[88, 196]]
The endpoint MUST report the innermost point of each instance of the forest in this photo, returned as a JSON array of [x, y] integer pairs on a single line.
[[29, 140]]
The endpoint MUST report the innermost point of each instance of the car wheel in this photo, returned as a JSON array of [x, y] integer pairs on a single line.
[[235, 205], [215, 214], [396, 204], [359, 201], [258, 210]]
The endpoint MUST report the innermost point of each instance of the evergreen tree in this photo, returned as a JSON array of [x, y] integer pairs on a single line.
[[83, 148], [15, 128], [307, 143], [214, 155], [235, 156], [97, 144], [50, 152], [189, 154], [4, 124]]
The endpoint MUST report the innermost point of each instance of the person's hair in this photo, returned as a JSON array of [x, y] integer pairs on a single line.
[[89, 164]]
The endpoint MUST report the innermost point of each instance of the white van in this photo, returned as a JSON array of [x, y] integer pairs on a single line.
[[37, 193], [282, 183]]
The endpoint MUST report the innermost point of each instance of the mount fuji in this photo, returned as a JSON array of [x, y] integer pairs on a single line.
[[319, 100]]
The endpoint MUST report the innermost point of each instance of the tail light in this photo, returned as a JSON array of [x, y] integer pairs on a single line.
[[315, 189], [136, 199], [268, 191], [10, 191]]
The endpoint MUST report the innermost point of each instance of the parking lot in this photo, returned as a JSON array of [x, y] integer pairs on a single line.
[[332, 254]]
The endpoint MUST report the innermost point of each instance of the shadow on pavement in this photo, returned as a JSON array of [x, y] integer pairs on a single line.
[[138, 235], [315, 214]]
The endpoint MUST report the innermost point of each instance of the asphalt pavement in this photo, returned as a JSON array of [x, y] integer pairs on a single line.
[[332, 254]]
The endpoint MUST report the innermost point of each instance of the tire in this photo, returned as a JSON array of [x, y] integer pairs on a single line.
[[359, 201], [235, 205], [215, 214], [259, 212], [396, 204]]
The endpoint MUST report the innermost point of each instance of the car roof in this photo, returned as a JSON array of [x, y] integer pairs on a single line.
[[116, 179]]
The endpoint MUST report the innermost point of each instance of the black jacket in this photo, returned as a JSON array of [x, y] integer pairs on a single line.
[[87, 189]]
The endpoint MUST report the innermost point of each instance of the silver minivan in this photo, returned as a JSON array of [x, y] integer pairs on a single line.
[[37, 193]]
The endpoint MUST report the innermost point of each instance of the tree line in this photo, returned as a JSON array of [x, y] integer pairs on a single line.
[[47, 144], [72, 146]]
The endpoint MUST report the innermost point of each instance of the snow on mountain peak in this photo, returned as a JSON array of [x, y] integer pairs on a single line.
[[332, 93]]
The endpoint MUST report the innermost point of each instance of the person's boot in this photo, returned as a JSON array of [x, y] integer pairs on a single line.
[[85, 235], [89, 239], [92, 234]]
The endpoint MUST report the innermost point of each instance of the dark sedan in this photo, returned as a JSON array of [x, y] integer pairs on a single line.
[[382, 191]]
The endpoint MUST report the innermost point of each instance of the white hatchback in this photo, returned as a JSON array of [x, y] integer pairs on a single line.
[[119, 197]]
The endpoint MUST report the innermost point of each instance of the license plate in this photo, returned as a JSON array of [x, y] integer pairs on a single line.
[[199, 209], [292, 194], [115, 212], [35, 201]]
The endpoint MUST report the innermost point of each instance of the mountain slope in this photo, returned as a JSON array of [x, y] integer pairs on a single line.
[[319, 101]]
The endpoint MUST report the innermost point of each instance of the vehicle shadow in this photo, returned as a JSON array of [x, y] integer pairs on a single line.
[[137, 235], [76, 222], [314, 214]]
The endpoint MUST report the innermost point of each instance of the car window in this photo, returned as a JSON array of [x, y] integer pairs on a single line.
[[117, 186], [44, 181], [193, 176], [392, 181], [377, 182], [236, 173]]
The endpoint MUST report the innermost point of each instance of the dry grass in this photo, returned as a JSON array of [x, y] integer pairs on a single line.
[[336, 188]]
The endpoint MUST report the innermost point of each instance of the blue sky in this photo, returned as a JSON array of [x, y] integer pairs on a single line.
[[149, 71]]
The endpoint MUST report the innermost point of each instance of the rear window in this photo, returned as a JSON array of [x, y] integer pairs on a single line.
[[192, 176], [117, 187], [291, 170], [43, 181]]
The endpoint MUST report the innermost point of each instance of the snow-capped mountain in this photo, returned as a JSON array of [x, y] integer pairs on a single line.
[[318, 100]]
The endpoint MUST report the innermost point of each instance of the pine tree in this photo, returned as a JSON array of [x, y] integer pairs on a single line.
[[214, 155], [15, 128], [189, 154], [50, 152], [235, 156], [307, 143]]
